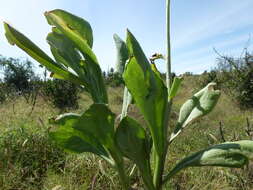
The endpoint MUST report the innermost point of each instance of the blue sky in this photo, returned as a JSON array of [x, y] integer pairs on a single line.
[[197, 27]]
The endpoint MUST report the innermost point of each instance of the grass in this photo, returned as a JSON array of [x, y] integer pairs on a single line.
[[30, 161]]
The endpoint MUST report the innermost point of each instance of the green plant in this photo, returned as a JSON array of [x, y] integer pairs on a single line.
[[19, 79], [234, 75], [62, 94], [94, 131]]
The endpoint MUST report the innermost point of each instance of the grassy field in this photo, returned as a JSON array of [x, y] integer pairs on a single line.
[[30, 161]]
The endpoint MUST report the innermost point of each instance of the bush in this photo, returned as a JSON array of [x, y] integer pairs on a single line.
[[63, 94], [18, 79], [207, 77], [112, 78], [234, 76], [245, 91], [18, 74], [26, 157]]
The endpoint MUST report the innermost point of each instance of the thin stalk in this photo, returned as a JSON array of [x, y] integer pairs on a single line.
[[168, 46], [160, 159]]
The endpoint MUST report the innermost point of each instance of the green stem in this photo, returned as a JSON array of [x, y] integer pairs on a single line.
[[168, 47], [119, 164], [127, 98], [147, 179], [122, 175], [158, 171], [160, 159]]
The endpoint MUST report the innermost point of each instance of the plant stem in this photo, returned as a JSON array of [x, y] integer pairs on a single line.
[[158, 171], [119, 164], [127, 98], [160, 159], [122, 175], [168, 47]]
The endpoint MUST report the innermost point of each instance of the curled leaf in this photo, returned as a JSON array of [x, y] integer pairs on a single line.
[[79, 32], [77, 25], [122, 54], [199, 105]]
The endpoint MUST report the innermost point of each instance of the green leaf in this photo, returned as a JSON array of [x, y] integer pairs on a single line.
[[122, 57], [148, 91], [16, 38], [122, 53], [98, 120], [132, 140], [71, 27], [134, 144], [156, 71], [198, 106], [72, 140], [175, 87], [78, 25], [229, 154], [64, 51]]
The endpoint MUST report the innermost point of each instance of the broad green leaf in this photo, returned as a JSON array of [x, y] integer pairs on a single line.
[[94, 81], [16, 38], [71, 27], [73, 140], [175, 87], [77, 24], [148, 91], [63, 21], [229, 154], [199, 105], [134, 144], [132, 141], [98, 121], [64, 51], [122, 54]]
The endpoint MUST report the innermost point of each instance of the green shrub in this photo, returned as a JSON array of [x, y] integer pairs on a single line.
[[208, 77], [18, 73], [113, 79], [63, 94], [236, 78], [19, 79]]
